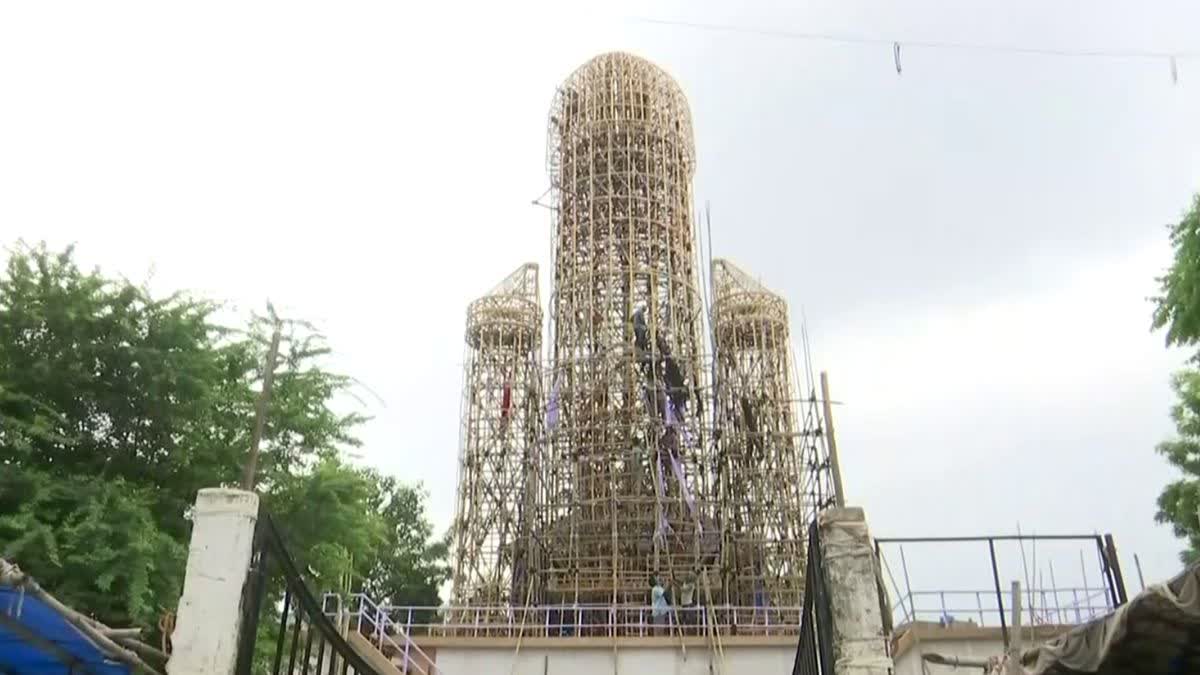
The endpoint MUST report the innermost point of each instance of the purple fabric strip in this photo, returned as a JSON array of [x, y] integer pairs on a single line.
[[687, 493], [663, 527], [662, 483], [662, 530], [672, 419], [552, 408]]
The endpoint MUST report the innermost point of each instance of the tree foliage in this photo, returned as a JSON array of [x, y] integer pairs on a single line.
[[1177, 310], [117, 406], [1177, 307], [1179, 503], [97, 542], [410, 567]]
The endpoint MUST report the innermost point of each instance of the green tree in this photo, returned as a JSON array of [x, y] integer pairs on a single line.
[[1177, 310], [116, 406], [97, 543], [410, 566], [1179, 503], [102, 380], [1177, 307]]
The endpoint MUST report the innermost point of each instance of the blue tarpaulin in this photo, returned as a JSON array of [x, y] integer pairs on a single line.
[[37, 640]]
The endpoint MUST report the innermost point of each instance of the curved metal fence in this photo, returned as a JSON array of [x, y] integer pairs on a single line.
[[305, 639], [814, 653]]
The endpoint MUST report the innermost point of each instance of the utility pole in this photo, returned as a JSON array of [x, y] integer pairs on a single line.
[[260, 407], [831, 443]]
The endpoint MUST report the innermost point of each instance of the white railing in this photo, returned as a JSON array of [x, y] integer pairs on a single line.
[[376, 625], [1058, 606], [576, 620]]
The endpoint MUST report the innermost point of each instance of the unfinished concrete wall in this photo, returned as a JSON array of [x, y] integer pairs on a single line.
[[980, 648], [849, 563]]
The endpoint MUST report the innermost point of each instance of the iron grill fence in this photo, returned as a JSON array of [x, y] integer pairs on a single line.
[[1091, 589], [305, 639], [814, 651]]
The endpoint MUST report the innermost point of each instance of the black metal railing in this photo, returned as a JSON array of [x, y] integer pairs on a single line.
[[305, 640], [814, 653], [1055, 602]]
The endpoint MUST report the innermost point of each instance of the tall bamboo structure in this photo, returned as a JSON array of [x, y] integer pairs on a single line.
[[761, 459], [500, 435], [629, 486]]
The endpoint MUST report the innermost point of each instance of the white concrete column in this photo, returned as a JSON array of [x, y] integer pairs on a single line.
[[859, 646], [205, 640]]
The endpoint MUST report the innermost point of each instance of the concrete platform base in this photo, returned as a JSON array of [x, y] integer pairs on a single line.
[[626, 656]]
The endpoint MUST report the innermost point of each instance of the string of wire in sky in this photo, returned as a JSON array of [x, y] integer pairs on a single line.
[[927, 44]]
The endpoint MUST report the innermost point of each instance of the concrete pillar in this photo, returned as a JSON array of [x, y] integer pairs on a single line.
[[205, 640], [859, 643]]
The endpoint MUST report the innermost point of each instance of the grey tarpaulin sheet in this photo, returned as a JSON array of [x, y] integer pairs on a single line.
[[1158, 631]]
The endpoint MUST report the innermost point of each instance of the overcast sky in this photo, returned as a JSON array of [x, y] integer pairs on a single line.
[[972, 241]]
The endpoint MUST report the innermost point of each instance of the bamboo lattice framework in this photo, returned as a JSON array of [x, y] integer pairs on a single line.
[[647, 461], [629, 494], [500, 436], [761, 464]]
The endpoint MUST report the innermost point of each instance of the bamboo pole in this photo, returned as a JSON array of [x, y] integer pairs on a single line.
[[831, 441]]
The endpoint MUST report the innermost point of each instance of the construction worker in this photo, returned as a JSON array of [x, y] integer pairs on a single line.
[[687, 603], [660, 610]]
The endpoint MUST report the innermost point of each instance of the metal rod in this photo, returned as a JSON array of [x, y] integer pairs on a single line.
[[1106, 573], [320, 654], [896, 587], [1114, 564], [999, 597], [308, 638], [1138, 564], [1025, 571], [1054, 586], [907, 584], [1042, 591], [998, 537], [295, 642], [1083, 571], [258, 589], [283, 616]]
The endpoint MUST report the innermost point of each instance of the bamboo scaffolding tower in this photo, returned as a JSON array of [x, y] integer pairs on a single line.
[[629, 491], [646, 461], [760, 460], [500, 436]]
